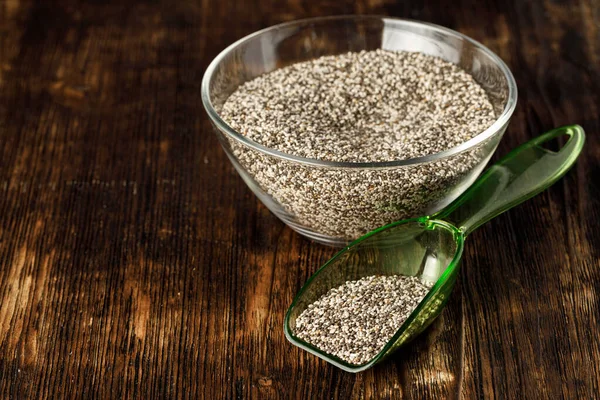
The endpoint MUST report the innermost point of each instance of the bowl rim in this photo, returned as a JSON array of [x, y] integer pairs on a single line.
[[493, 129]]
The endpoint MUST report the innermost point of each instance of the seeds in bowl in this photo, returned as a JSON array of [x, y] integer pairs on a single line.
[[369, 106], [355, 320]]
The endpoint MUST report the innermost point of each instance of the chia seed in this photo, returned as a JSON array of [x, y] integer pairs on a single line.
[[355, 320], [370, 106]]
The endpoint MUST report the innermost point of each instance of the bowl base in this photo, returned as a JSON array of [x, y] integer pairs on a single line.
[[317, 237]]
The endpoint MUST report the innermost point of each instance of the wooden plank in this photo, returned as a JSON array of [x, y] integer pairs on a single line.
[[135, 263]]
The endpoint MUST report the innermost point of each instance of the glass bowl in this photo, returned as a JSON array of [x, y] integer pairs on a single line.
[[336, 202]]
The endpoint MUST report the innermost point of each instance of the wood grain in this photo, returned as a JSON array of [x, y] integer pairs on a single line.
[[134, 262]]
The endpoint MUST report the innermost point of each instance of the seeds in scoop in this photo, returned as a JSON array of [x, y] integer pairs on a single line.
[[355, 320], [370, 106]]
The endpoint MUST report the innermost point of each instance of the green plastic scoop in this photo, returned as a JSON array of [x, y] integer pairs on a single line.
[[430, 247]]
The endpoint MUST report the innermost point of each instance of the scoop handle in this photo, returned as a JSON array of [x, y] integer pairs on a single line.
[[521, 174]]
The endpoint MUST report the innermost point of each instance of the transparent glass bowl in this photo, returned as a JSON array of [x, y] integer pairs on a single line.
[[337, 202]]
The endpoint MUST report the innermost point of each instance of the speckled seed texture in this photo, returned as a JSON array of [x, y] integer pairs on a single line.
[[355, 320], [370, 106]]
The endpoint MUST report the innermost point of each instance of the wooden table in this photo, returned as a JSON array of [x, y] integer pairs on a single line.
[[134, 262]]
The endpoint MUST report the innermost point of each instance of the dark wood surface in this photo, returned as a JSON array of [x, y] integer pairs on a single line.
[[135, 263]]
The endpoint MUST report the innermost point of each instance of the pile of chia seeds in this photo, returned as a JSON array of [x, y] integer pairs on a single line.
[[371, 106], [355, 320]]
